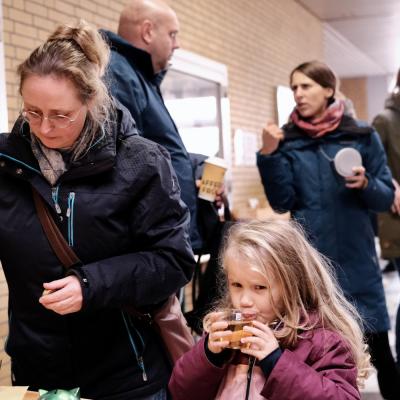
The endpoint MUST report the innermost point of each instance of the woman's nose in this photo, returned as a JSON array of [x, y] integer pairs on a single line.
[[298, 93], [45, 125]]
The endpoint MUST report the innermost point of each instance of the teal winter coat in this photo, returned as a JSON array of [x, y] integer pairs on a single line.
[[300, 177]]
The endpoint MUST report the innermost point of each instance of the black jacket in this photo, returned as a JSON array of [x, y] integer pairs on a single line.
[[121, 211], [132, 81]]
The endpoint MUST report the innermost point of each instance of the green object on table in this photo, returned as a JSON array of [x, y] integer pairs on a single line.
[[59, 394]]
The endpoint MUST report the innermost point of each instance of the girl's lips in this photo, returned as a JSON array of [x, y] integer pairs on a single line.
[[249, 315]]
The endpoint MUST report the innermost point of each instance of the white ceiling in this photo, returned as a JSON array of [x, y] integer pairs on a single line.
[[361, 37]]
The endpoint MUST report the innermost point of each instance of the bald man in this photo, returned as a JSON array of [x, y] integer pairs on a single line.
[[146, 40], [151, 26]]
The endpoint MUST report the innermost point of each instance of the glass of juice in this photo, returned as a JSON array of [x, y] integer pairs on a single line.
[[236, 321]]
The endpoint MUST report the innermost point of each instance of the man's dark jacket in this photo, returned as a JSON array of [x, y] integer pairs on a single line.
[[121, 209], [133, 82]]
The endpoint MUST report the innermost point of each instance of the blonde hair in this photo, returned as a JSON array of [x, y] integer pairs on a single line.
[[80, 54], [279, 249]]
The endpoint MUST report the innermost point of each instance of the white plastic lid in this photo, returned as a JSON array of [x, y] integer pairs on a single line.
[[220, 162], [345, 160]]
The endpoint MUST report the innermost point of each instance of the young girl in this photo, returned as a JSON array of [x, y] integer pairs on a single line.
[[309, 345]]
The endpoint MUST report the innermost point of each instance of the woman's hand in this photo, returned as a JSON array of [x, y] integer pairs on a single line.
[[216, 332], [262, 343], [219, 197], [64, 296], [396, 201], [271, 136], [358, 180]]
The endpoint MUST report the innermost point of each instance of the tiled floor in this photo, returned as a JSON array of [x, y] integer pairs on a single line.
[[391, 284]]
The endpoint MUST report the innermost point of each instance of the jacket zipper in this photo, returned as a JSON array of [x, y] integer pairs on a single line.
[[54, 195], [252, 361], [70, 217], [139, 357]]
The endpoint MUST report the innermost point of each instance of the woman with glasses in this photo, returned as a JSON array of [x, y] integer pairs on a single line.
[[116, 200], [329, 170]]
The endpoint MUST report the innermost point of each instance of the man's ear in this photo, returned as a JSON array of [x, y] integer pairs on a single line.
[[147, 30]]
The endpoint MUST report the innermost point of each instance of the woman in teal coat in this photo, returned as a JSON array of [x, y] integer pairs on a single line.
[[297, 168]]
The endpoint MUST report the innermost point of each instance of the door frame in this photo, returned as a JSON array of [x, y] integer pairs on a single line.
[[202, 67], [3, 93]]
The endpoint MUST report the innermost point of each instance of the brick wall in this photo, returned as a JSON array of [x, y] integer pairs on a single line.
[[260, 41], [28, 22]]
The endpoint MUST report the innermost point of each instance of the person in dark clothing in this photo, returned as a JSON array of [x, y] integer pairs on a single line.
[[387, 124], [115, 197], [297, 168], [140, 56], [140, 53]]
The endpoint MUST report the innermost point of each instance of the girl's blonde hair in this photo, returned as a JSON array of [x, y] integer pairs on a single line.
[[279, 249], [79, 54]]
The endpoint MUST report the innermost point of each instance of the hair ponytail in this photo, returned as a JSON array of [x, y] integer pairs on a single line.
[[88, 40]]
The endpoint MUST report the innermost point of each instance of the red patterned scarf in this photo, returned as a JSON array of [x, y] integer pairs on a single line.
[[318, 127]]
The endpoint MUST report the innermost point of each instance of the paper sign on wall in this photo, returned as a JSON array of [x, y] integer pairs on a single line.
[[245, 146]]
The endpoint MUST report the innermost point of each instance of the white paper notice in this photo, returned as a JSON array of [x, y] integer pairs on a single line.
[[246, 146]]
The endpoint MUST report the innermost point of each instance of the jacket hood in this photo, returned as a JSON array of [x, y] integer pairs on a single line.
[[393, 102]]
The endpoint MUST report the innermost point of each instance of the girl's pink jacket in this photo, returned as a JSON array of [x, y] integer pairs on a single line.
[[320, 367]]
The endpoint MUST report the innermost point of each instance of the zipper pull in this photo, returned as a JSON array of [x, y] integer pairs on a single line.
[[141, 365], [71, 198], [54, 195]]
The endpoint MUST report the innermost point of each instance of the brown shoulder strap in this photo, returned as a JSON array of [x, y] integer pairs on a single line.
[[57, 241]]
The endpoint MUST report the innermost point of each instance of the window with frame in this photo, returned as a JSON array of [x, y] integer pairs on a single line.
[[194, 92]]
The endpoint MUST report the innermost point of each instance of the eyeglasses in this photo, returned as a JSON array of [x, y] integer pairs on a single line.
[[56, 121]]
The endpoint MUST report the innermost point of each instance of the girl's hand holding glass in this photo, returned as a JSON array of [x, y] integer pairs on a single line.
[[262, 343], [216, 328]]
